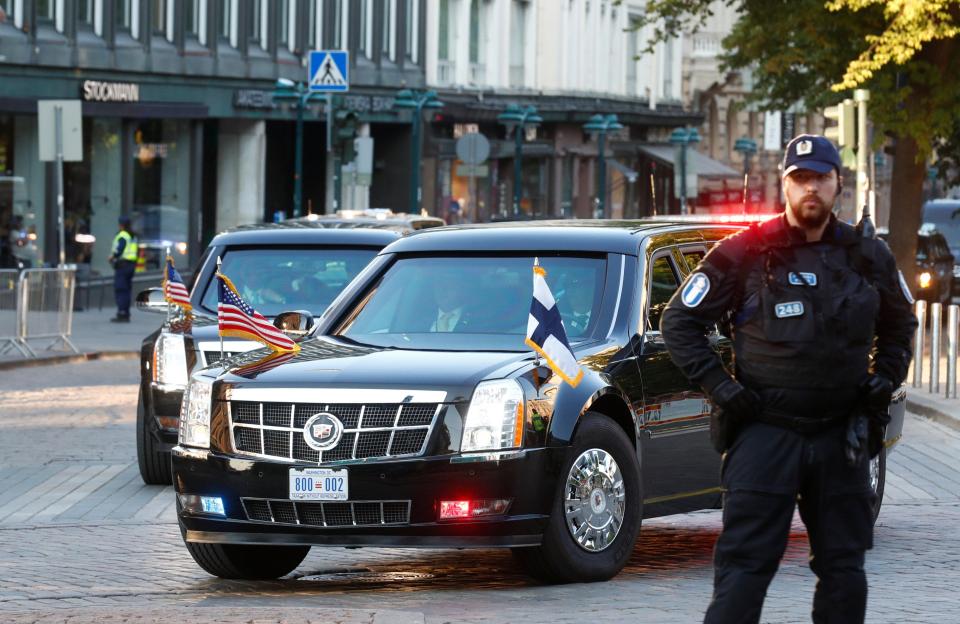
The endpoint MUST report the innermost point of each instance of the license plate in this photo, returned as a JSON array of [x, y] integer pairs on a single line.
[[319, 484]]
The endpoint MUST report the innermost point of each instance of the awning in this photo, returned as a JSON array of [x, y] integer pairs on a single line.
[[705, 166], [627, 172]]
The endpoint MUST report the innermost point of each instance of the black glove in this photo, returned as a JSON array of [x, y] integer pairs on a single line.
[[736, 400], [877, 391], [855, 440]]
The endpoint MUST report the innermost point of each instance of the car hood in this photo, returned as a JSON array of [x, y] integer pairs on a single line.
[[329, 362]]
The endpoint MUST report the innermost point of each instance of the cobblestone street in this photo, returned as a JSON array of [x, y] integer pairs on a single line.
[[84, 540]]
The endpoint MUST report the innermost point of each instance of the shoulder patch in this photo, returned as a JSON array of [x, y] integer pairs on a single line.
[[694, 291], [904, 288]]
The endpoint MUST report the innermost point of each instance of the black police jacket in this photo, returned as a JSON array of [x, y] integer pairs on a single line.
[[808, 320]]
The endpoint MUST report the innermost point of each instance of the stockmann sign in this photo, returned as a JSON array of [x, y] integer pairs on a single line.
[[96, 91]]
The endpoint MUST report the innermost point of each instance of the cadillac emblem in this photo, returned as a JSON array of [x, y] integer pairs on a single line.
[[323, 431]]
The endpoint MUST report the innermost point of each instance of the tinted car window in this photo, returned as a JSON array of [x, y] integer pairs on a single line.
[[663, 283], [463, 303], [278, 280], [693, 258], [946, 219]]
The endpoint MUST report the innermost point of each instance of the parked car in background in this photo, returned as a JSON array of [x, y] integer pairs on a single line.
[[944, 216], [415, 414], [300, 264], [935, 269]]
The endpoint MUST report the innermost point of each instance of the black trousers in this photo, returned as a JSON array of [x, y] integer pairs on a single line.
[[767, 472], [123, 284]]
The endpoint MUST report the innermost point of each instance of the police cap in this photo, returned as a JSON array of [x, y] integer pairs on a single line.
[[813, 152]]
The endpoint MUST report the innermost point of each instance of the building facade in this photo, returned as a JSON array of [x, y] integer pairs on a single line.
[[570, 60], [179, 128]]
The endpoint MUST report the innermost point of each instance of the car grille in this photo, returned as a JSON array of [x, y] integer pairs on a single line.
[[275, 430], [327, 514]]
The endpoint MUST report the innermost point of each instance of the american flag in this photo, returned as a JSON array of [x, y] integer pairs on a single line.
[[237, 318], [174, 290], [264, 364], [546, 334]]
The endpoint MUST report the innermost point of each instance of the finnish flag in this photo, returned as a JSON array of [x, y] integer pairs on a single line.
[[545, 332]]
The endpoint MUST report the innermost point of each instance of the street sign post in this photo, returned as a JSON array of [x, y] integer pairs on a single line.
[[473, 149], [60, 139]]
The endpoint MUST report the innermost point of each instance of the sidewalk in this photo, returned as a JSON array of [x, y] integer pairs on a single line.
[[95, 336], [936, 407]]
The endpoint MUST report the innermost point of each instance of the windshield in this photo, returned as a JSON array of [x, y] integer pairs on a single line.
[[946, 220], [473, 303], [285, 279]]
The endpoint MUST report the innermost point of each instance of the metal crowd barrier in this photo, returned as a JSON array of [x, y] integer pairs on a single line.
[[44, 309], [936, 343], [9, 312]]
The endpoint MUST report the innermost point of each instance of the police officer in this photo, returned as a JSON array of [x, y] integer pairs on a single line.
[[821, 323], [124, 260]]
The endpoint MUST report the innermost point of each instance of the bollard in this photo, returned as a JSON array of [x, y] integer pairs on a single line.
[[953, 318], [936, 317], [918, 343]]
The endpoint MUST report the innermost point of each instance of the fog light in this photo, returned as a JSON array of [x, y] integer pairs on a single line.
[[463, 509], [211, 505]]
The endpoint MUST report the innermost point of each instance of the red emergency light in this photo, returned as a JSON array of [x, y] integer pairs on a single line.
[[465, 509]]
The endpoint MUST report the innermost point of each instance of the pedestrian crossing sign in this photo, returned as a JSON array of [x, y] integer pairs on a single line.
[[329, 71]]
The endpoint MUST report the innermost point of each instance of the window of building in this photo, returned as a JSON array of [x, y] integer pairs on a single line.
[[85, 13], [123, 14], [256, 22], [668, 70], [159, 16], [338, 25], [411, 29], [283, 23], [632, 49], [224, 19], [365, 44], [448, 37], [46, 10], [478, 41], [518, 42], [314, 26], [7, 7], [389, 39], [191, 18]]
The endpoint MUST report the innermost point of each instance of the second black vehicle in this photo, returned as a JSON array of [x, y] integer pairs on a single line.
[[300, 264]]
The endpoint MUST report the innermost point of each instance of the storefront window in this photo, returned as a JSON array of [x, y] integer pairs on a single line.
[[19, 244], [161, 188]]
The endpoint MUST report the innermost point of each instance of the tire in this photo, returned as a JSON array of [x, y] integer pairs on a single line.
[[878, 464], [240, 561], [154, 462], [563, 559]]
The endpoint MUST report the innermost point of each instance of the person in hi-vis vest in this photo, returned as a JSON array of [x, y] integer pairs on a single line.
[[124, 260]]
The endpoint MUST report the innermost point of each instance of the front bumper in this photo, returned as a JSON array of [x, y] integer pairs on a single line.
[[528, 478]]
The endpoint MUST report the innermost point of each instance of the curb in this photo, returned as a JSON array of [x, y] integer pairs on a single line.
[[70, 359], [932, 412]]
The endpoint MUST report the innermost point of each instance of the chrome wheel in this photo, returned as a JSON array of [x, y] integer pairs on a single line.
[[594, 500], [875, 473]]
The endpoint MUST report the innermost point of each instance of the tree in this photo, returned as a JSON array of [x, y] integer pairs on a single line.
[[816, 52]]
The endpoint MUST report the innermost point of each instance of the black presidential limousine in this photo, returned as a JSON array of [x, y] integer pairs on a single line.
[[415, 415]]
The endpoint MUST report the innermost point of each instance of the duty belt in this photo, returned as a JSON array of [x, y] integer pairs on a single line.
[[800, 424]]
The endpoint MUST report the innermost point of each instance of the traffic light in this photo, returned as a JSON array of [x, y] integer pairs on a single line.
[[346, 124], [844, 133]]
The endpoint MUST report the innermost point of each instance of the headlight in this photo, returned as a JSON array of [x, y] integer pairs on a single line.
[[495, 417], [925, 279], [195, 413], [170, 361]]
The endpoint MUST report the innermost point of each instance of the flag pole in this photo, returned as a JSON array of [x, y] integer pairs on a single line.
[[166, 270], [219, 262], [536, 354]]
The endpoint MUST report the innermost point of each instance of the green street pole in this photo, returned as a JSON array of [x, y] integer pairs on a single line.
[[415, 192], [517, 169], [601, 175], [683, 178], [298, 158]]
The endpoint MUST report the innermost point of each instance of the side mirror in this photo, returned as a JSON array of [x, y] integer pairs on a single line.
[[295, 324], [152, 300]]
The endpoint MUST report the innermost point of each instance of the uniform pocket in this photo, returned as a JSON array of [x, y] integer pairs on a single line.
[[858, 314]]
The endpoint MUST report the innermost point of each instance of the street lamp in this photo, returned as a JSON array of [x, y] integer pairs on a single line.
[[598, 126], [746, 148], [416, 101], [516, 118], [298, 94], [681, 137]]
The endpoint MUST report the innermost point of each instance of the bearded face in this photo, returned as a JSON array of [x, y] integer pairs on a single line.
[[811, 195]]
